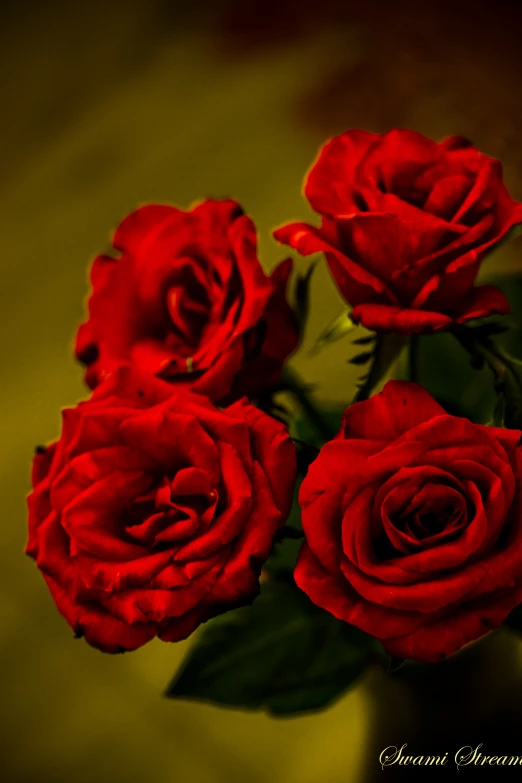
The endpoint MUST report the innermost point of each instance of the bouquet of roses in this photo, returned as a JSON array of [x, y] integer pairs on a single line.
[[199, 483]]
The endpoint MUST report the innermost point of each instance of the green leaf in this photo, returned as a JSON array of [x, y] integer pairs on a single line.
[[336, 330], [444, 370], [506, 371], [282, 654], [507, 331], [281, 563], [499, 413], [305, 429], [491, 328], [361, 358], [302, 295], [511, 286], [318, 429], [366, 340], [385, 354]]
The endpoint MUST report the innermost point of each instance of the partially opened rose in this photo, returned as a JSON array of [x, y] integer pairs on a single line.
[[413, 524], [154, 511], [405, 224], [188, 301]]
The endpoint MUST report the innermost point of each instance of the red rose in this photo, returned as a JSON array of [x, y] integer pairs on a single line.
[[405, 224], [188, 301], [155, 510], [413, 524]]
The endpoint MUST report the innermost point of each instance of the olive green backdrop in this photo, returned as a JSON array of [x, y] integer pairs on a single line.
[[105, 106]]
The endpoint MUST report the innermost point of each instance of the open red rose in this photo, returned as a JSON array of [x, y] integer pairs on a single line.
[[405, 224], [188, 301], [413, 524], [154, 511]]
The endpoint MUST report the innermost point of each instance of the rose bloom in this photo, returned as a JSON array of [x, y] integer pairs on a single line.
[[187, 300], [405, 224], [154, 511], [413, 524]]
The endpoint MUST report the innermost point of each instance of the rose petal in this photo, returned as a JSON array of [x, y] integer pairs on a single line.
[[385, 416], [387, 318]]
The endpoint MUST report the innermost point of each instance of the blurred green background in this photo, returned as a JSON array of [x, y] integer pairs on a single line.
[[107, 105]]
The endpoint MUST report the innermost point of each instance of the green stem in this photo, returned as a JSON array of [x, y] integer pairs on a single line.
[[413, 358], [291, 382], [485, 348], [387, 349]]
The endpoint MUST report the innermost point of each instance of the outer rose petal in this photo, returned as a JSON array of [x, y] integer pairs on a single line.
[[324, 489], [100, 629], [328, 183], [308, 240], [334, 594], [399, 407], [281, 338], [446, 635], [136, 227], [387, 318], [273, 449], [484, 300], [128, 385]]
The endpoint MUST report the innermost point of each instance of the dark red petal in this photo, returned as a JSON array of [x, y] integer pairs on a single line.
[[483, 300], [100, 629], [144, 605], [330, 184], [272, 449], [355, 283], [399, 407], [444, 635], [84, 575], [128, 384], [429, 596], [42, 463], [256, 286], [153, 357], [137, 226], [280, 339], [399, 158], [174, 440], [85, 348], [178, 628], [359, 540], [232, 518], [447, 194], [321, 494], [456, 143], [389, 318], [240, 575], [333, 593], [221, 371], [384, 244], [39, 508]]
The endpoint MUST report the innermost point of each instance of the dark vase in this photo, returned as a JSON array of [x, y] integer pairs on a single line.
[[473, 698]]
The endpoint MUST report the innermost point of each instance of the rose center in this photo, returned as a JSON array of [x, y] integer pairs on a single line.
[[433, 516], [189, 312], [172, 511]]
